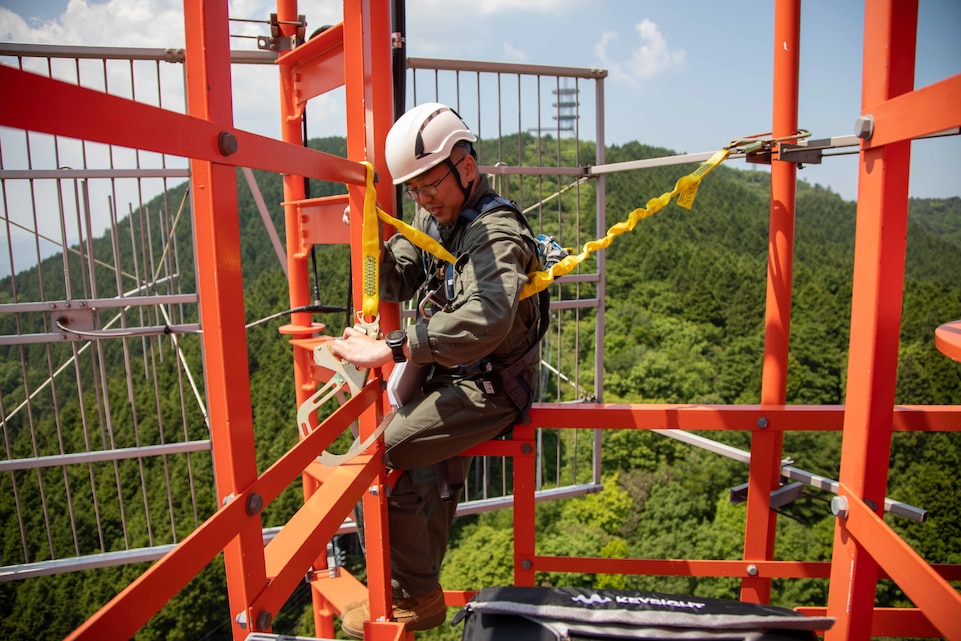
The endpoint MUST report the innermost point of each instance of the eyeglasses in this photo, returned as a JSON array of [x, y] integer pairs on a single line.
[[431, 189]]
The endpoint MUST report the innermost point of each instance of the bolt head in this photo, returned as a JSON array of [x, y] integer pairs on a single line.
[[255, 504], [839, 507], [264, 620], [864, 127], [227, 142]]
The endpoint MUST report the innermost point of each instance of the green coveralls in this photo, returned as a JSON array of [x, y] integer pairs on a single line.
[[485, 318]]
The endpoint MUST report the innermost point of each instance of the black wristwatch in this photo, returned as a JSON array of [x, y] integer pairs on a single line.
[[396, 341]]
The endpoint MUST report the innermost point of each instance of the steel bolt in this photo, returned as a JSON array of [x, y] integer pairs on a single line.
[[227, 143], [526, 448], [527, 564], [839, 507], [264, 619], [762, 422], [864, 127], [374, 490], [752, 570], [241, 620], [255, 503]]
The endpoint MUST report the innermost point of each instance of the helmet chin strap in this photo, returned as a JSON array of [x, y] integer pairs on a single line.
[[466, 190]]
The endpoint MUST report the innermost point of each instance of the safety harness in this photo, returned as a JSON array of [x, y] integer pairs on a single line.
[[510, 377]]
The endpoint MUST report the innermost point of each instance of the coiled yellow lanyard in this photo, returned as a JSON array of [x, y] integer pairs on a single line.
[[685, 189]]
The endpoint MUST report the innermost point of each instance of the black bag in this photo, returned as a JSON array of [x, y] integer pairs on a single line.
[[562, 614]]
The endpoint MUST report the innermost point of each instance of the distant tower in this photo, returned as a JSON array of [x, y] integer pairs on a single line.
[[566, 106]]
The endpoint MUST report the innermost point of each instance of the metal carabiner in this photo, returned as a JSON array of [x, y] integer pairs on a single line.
[[371, 328], [422, 308]]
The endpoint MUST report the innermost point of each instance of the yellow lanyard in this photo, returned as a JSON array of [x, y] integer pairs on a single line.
[[685, 189]]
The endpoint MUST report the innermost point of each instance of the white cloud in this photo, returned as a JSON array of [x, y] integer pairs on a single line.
[[600, 49], [513, 53], [655, 54], [653, 57]]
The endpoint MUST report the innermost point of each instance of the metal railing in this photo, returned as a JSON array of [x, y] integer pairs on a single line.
[[106, 444]]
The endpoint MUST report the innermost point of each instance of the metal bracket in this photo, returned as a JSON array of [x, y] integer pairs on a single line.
[[351, 375], [779, 497], [801, 154], [76, 316], [277, 41]]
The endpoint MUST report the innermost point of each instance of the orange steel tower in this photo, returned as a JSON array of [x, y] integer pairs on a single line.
[[356, 54]]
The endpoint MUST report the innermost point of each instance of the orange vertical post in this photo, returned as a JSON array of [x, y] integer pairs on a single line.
[[525, 486], [298, 277], [220, 286], [766, 446], [369, 103], [890, 37]]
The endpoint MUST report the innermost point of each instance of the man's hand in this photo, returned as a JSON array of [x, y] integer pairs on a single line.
[[361, 350]]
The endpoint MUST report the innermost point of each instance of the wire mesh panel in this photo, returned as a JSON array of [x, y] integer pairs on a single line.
[[104, 427], [538, 130], [106, 443]]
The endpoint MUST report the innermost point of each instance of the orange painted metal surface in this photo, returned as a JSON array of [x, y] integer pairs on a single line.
[[304, 538], [369, 103], [320, 223], [785, 418], [220, 290], [77, 112], [130, 610], [356, 53], [926, 589], [889, 622], [890, 32], [685, 567], [766, 445], [133, 607], [947, 338], [896, 119], [524, 506], [317, 66]]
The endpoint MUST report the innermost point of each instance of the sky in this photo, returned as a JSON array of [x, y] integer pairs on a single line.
[[688, 76]]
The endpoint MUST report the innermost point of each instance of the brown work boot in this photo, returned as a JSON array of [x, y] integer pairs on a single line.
[[416, 613]]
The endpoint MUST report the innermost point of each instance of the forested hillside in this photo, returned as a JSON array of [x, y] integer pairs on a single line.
[[684, 324]]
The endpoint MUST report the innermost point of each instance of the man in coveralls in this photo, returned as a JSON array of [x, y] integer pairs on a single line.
[[474, 327]]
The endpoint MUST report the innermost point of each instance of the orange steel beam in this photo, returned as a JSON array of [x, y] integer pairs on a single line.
[[132, 608], [889, 622], [935, 597], [947, 338], [524, 505], [65, 109], [925, 111], [299, 250], [304, 537], [783, 418], [707, 567], [684, 567], [369, 105], [220, 289], [317, 66], [766, 445], [338, 587], [890, 34], [320, 223]]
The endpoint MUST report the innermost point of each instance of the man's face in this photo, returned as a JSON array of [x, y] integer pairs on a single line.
[[448, 197]]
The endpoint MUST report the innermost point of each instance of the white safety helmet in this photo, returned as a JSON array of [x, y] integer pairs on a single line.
[[423, 138]]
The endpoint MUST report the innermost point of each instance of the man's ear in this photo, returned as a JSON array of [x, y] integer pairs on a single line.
[[470, 169]]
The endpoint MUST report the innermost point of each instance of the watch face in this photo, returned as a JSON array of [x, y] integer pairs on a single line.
[[396, 338]]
